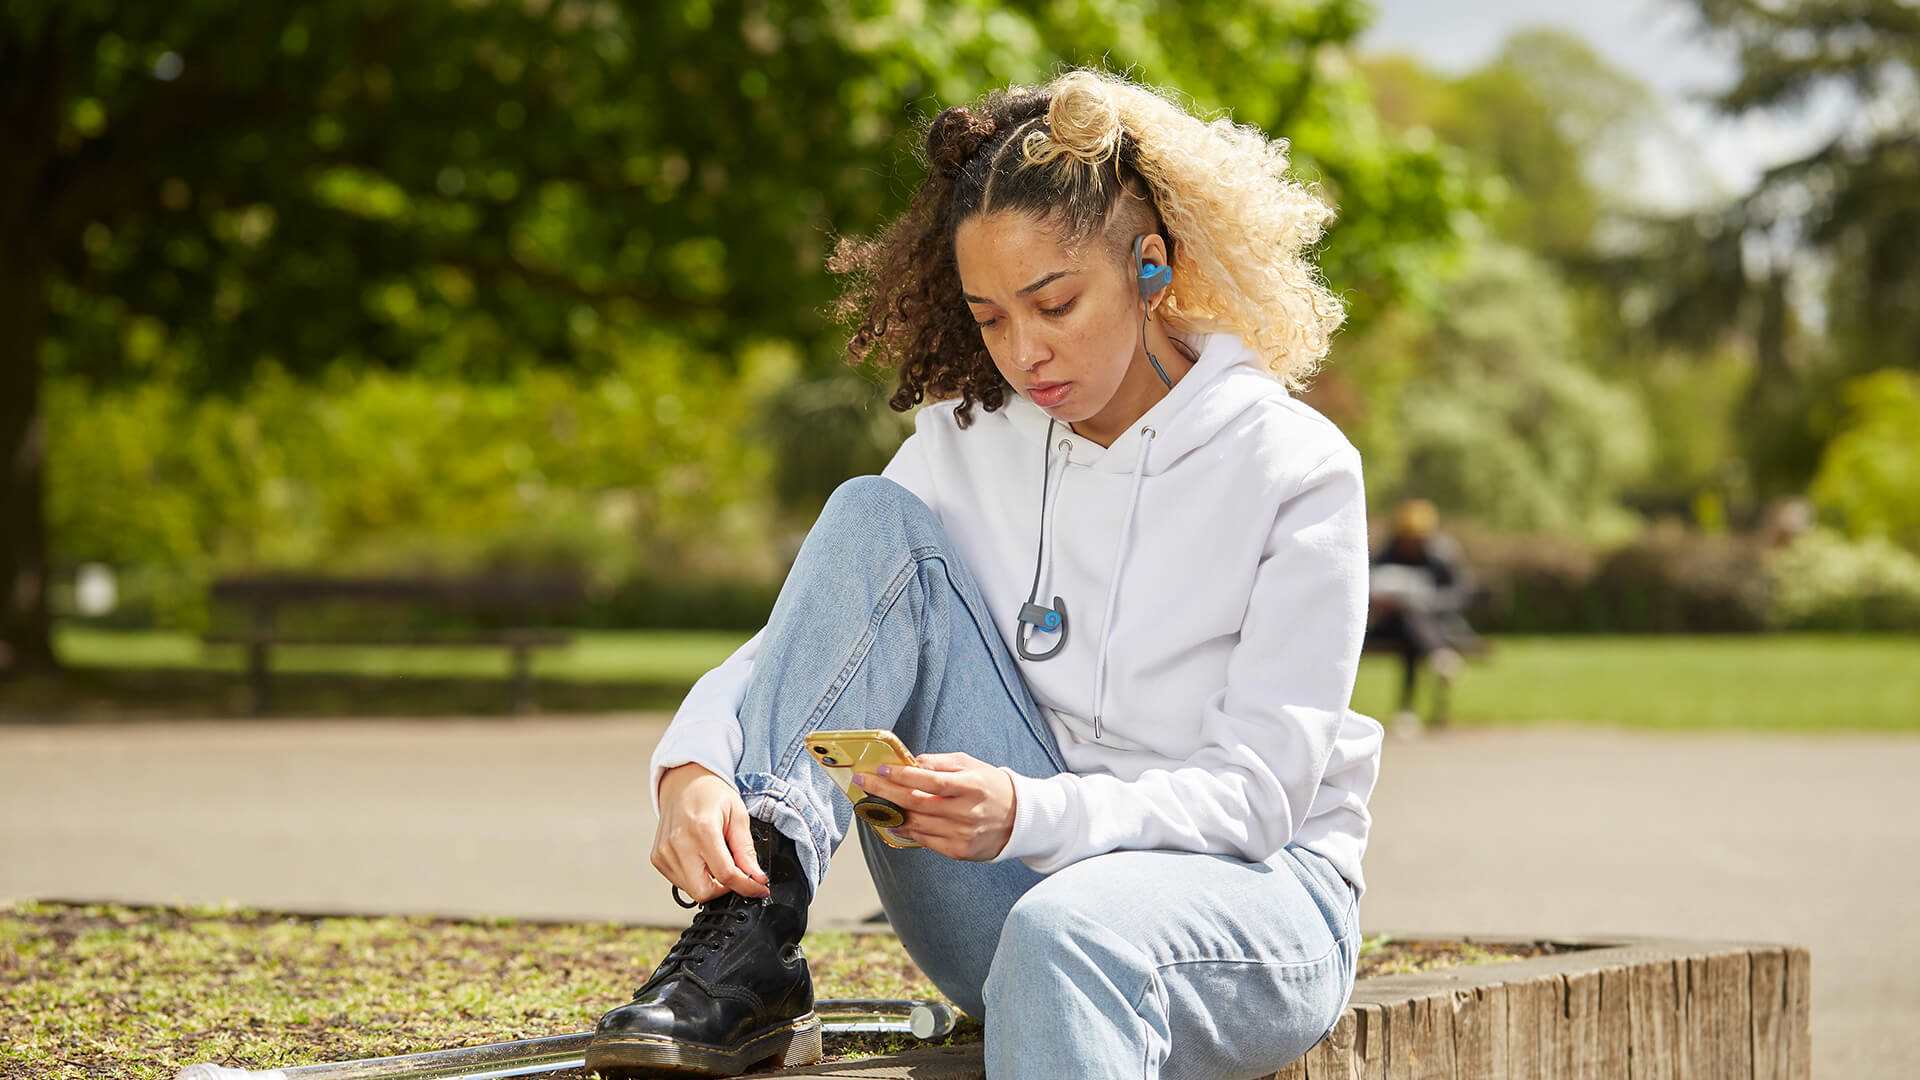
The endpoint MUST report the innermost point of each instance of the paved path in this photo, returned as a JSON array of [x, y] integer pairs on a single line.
[[1813, 840]]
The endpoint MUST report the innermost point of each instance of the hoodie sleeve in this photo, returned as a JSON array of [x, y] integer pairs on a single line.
[[706, 729], [1267, 736]]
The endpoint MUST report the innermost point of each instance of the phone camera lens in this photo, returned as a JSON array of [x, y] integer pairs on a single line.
[[819, 749], [828, 761]]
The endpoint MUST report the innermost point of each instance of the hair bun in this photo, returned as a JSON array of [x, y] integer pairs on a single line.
[[1083, 118], [954, 137]]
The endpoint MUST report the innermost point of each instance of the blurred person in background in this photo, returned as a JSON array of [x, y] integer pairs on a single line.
[[1419, 590]]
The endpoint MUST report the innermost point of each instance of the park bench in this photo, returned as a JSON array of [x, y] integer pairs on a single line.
[[509, 609]]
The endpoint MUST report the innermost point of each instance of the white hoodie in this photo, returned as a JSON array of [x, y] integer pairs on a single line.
[[1213, 564]]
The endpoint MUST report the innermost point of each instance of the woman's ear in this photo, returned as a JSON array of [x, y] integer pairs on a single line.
[[1153, 253]]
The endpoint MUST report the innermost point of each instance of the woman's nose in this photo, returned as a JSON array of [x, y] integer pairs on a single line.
[[1028, 349]]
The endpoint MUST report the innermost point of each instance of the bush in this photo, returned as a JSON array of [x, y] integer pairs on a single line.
[[645, 471], [1822, 581], [653, 603], [1667, 579], [1674, 580], [1869, 477], [1530, 582]]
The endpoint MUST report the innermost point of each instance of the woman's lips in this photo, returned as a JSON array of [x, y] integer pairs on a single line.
[[1050, 396]]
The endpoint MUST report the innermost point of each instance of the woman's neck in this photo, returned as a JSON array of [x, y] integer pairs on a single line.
[[1140, 391]]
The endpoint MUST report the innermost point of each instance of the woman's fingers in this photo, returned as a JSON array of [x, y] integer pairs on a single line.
[[720, 864], [889, 788], [740, 841], [691, 875]]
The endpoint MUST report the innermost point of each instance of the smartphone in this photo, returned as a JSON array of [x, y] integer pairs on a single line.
[[845, 752]]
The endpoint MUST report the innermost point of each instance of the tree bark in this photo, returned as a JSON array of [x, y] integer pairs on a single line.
[[26, 627]]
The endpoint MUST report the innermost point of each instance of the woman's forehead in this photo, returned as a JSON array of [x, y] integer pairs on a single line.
[[1012, 251]]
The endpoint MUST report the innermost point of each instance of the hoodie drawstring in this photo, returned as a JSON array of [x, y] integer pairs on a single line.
[[1119, 556], [1113, 590]]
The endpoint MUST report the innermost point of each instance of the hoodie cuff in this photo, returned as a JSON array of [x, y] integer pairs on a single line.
[[1039, 812]]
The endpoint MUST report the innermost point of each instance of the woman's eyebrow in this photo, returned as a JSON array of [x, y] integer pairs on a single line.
[[1037, 284]]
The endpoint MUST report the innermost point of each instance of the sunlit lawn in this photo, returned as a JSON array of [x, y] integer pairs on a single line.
[[1783, 682], [1761, 682]]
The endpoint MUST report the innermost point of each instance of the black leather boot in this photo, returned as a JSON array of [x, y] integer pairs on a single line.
[[732, 992]]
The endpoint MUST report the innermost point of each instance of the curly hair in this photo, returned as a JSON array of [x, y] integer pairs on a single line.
[[1238, 230]]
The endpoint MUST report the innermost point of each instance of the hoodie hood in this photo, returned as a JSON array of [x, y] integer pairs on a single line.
[[1226, 379]]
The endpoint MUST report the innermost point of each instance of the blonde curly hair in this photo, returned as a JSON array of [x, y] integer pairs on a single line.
[[1239, 232]]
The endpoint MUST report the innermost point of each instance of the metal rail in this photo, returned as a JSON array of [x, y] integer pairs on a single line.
[[552, 1053]]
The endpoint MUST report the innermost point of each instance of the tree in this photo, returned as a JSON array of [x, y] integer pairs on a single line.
[[1850, 208], [197, 189]]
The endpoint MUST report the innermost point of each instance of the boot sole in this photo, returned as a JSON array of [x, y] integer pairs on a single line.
[[795, 1043]]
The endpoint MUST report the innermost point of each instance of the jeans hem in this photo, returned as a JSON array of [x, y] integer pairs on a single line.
[[773, 799]]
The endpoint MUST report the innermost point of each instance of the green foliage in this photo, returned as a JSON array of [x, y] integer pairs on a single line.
[[1501, 424], [1823, 581], [1869, 476], [648, 466], [1692, 401], [1840, 219], [471, 187], [1666, 579], [1671, 579], [214, 195]]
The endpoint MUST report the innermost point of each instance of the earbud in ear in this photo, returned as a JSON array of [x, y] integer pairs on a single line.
[[1151, 278]]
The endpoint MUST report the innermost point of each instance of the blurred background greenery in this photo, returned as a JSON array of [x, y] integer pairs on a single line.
[[379, 287]]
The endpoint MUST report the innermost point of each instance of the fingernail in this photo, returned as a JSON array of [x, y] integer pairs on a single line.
[[883, 770]]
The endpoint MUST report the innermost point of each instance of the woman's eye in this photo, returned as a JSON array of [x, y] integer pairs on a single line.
[[1061, 310]]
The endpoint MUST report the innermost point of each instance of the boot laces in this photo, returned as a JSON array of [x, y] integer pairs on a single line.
[[709, 932]]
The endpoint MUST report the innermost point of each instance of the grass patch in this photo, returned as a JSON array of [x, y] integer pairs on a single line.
[[1773, 682], [114, 991]]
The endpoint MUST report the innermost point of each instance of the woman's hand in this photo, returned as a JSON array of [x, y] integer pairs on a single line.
[[956, 804], [703, 844]]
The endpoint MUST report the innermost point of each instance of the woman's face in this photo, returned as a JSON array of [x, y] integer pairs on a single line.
[[1052, 315]]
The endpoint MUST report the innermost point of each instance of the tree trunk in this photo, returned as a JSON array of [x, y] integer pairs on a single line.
[[26, 637]]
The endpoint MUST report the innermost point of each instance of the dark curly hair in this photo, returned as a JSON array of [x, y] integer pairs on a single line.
[[904, 302]]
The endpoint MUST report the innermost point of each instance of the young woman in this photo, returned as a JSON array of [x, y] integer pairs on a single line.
[[1117, 619]]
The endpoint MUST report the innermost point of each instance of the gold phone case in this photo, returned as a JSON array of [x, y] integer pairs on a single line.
[[845, 752]]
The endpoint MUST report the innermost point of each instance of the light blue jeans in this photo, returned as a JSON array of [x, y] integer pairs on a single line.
[[1134, 962]]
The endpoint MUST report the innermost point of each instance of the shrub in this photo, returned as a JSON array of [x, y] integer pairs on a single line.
[[1675, 580], [1822, 581], [1530, 582], [1869, 477], [647, 469]]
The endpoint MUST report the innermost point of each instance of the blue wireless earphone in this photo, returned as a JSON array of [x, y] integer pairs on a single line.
[[1152, 280], [1054, 618]]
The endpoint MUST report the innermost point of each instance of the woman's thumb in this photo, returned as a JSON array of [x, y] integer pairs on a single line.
[[740, 840]]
